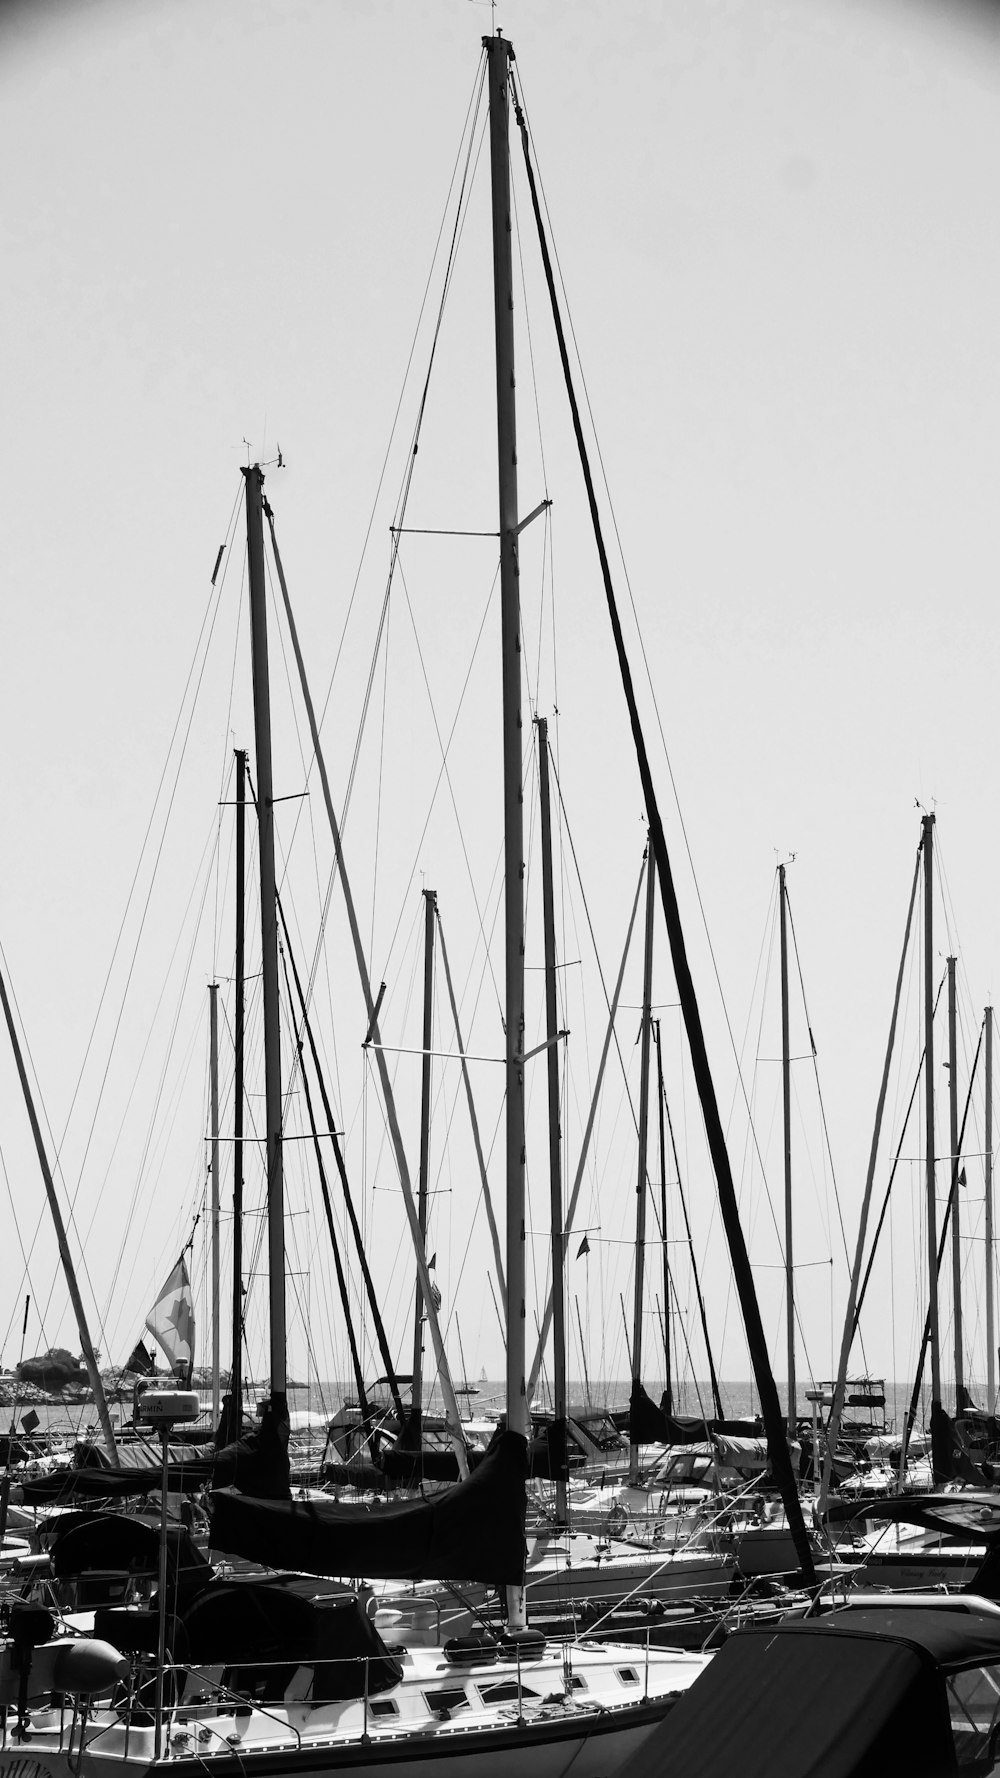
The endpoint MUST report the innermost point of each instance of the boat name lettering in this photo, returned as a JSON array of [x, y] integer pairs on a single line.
[[26, 1768]]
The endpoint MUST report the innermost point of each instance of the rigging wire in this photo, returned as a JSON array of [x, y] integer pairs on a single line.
[[444, 773], [194, 678], [642, 648]]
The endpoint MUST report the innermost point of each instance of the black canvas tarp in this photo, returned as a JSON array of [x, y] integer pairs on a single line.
[[408, 1463], [652, 1425], [647, 1424], [475, 1531], [124, 1542], [548, 1453], [260, 1630], [806, 1700], [257, 1463], [64, 1485]]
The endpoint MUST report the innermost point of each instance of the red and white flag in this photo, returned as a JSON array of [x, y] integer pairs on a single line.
[[171, 1319]]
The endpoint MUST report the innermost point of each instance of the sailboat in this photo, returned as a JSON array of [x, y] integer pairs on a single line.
[[287, 1673]]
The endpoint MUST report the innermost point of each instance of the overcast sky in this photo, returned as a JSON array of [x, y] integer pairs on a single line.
[[779, 237]]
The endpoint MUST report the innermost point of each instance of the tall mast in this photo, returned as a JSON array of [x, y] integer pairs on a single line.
[[954, 1174], [932, 1293], [668, 1393], [236, 1375], [640, 1188], [268, 932], [991, 1377], [498, 55], [555, 1134], [86, 1343], [786, 1118], [213, 1021], [416, 1393], [452, 1412]]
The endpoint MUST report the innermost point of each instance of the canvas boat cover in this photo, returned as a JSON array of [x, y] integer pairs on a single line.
[[261, 1630], [887, 1447], [102, 1543], [474, 1531], [807, 1700], [742, 1453], [970, 1513], [652, 1425], [61, 1486], [256, 1462]]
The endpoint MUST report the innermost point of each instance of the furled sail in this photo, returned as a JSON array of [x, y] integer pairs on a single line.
[[475, 1531], [652, 1425]]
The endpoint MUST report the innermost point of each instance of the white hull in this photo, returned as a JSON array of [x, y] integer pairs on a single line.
[[587, 1711]]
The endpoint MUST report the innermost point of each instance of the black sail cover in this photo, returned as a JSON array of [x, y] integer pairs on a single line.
[[652, 1425], [475, 1531], [256, 1461]]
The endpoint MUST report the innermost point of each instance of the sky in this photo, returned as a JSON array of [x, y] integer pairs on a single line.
[[777, 232]]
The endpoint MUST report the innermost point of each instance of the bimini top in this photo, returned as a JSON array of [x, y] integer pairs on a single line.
[[953, 1635], [970, 1513], [856, 1694]]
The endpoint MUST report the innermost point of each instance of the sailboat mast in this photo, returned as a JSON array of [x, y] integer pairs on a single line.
[[555, 1133], [786, 1115], [86, 1343], [668, 1393], [213, 1022], [416, 1392], [239, 1015], [932, 1293], [268, 930], [988, 1145], [498, 56], [956, 1196], [452, 1412], [640, 1189]]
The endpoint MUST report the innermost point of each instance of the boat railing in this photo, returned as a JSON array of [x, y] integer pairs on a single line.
[[194, 1690], [420, 1614]]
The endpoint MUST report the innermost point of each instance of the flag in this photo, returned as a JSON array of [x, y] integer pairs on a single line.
[[171, 1319], [583, 1248], [432, 1262], [140, 1361], [29, 1421], [435, 1296]]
